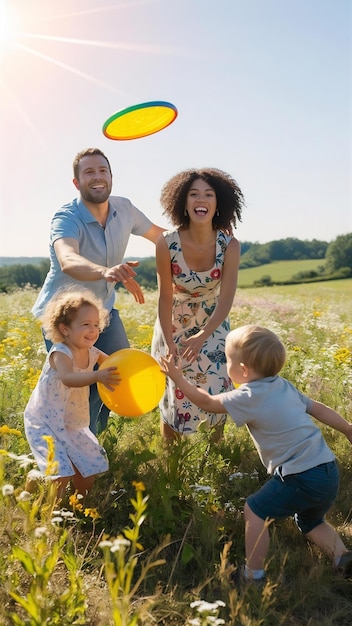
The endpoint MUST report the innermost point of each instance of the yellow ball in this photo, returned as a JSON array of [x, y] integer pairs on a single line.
[[142, 383]]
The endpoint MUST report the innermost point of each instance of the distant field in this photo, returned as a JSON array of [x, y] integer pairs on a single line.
[[280, 270]]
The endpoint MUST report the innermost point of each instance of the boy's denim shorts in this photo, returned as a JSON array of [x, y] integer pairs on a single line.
[[306, 496]]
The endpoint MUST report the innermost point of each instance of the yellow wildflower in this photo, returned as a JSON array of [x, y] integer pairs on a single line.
[[138, 485], [32, 377], [343, 355], [75, 503], [93, 513], [52, 464], [6, 430]]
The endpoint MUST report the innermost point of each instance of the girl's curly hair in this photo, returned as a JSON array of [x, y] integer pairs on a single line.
[[63, 308], [230, 200]]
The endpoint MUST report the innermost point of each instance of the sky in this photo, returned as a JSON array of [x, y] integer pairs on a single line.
[[263, 90]]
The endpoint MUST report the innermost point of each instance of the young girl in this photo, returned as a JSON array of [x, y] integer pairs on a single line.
[[59, 404], [304, 477]]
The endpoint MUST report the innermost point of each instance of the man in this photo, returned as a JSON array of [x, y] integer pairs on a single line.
[[88, 239]]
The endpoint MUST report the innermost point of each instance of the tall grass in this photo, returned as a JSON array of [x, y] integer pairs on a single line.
[[156, 539]]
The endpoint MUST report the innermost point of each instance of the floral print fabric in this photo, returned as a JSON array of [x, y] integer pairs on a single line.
[[195, 298]]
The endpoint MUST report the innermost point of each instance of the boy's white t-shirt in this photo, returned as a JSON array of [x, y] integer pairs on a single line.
[[277, 417]]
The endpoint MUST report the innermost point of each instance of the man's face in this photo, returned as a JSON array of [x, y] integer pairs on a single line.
[[94, 179]]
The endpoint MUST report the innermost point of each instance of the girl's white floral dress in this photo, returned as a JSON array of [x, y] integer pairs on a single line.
[[63, 413], [194, 300]]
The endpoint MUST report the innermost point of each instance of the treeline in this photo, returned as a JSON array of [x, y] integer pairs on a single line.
[[290, 249], [336, 259], [17, 275], [14, 275]]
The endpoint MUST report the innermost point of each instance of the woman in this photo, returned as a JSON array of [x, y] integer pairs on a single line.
[[197, 266]]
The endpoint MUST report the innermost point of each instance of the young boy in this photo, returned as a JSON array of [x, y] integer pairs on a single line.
[[304, 475]]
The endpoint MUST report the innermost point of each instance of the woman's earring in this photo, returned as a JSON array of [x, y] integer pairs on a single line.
[[217, 212], [185, 212]]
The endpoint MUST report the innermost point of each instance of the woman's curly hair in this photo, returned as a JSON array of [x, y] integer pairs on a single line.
[[229, 197], [63, 308]]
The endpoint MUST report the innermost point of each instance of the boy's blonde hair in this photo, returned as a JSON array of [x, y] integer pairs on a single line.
[[63, 308], [258, 348]]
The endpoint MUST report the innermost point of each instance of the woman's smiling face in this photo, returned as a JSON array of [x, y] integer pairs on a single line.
[[201, 201]]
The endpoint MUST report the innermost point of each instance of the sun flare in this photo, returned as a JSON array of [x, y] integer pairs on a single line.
[[33, 37], [8, 25]]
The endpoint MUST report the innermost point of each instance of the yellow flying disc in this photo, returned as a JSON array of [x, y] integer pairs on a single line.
[[140, 120]]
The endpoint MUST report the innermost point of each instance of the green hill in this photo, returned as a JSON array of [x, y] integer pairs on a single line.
[[279, 271]]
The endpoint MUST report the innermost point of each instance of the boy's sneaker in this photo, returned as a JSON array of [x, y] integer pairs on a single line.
[[344, 566], [238, 579]]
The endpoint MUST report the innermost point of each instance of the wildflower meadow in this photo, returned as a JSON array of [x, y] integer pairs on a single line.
[[155, 541]]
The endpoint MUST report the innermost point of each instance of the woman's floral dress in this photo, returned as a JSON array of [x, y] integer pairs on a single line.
[[195, 298]]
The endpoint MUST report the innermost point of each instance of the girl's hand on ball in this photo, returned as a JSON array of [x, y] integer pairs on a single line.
[[109, 376]]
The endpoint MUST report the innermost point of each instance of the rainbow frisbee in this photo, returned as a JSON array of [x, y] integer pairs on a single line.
[[140, 120]]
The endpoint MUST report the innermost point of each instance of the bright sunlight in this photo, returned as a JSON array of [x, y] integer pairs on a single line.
[[8, 25]]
